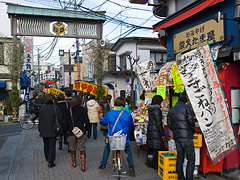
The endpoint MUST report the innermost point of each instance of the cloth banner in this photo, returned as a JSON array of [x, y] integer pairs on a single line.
[[147, 78], [164, 76], [178, 84], [205, 94], [87, 87]]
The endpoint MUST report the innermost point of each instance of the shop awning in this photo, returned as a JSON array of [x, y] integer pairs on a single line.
[[2, 84], [171, 21]]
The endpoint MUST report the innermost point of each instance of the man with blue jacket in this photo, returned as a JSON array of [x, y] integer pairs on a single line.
[[181, 121], [123, 125]]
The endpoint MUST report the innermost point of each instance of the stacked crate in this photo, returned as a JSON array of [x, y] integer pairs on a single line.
[[167, 165]]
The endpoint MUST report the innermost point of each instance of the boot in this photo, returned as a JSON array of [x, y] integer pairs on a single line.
[[60, 146], [73, 156], [83, 160]]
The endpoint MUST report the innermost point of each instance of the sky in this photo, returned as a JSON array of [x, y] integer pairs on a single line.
[[116, 10]]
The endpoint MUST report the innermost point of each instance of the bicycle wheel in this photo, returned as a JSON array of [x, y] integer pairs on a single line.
[[119, 164], [26, 122]]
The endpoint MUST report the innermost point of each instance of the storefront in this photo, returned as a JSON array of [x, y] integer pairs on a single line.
[[187, 29]]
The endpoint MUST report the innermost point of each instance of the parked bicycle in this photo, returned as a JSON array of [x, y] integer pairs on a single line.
[[27, 121]]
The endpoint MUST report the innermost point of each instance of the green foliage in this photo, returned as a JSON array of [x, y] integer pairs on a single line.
[[15, 57], [99, 57]]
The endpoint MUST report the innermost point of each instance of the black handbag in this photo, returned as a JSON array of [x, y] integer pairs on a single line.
[[58, 130]]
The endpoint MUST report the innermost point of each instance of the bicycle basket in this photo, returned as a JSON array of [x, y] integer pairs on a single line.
[[117, 142]]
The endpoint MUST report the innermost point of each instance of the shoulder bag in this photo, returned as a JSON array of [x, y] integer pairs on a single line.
[[58, 130], [76, 130]]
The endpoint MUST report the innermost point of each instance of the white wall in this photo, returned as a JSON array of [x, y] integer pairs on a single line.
[[5, 28]]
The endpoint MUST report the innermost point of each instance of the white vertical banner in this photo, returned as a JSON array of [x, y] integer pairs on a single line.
[[28, 53], [205, 94], [147, 77]]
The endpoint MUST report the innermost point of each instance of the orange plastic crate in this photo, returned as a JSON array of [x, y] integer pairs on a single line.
[[197, 140], [167, 174], [167, 160]]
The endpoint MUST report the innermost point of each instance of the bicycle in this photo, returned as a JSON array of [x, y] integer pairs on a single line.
[[27, 121], [117, 145]]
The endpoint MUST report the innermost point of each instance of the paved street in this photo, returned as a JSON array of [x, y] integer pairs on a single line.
[[22, 158]]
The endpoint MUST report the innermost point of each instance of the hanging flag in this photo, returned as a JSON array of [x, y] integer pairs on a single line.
[[146, 75], [178, 84], [164, 76], [205, 94]]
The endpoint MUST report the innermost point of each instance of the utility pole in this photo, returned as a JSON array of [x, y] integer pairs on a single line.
[[77, 47], [70, 70], [38, 71]]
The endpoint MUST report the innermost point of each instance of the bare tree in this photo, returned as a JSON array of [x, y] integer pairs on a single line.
[[130, 72]]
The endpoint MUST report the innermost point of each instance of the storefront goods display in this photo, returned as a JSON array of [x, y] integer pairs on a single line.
[[205, 94]]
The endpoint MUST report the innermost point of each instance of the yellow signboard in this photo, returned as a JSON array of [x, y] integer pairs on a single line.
[[87, 87], [150, 94], [56, 91], [161, 90], [212, 30]]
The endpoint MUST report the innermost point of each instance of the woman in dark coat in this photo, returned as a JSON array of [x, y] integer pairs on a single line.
[[46, 128], [63, 105], [80, 119], [155, 131]]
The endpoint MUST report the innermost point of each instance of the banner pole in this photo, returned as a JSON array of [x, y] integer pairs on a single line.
[[225, 99]]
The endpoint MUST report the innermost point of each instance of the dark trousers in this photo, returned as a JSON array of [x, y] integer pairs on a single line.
[[185, 146], [94, 125], [152, 160], [50, 149]]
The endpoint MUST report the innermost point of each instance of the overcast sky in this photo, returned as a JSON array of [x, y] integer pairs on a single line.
[[140, 15]]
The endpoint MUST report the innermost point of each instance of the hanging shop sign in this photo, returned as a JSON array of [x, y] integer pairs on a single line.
[[203, 88], [147, 78], [212, 30], [161, 90], [178, 84], [164, 77], [28, 54], [58, 28], [56, 91], [87, 87]]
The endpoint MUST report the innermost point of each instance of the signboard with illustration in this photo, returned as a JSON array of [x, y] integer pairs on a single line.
[[87, 87], [212, 30]]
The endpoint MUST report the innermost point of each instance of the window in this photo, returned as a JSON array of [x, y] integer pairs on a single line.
[[159, 57], [123, 62], [1, 54], [66, 68], [235, 104]]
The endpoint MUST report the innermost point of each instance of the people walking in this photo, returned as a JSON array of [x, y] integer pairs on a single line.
[[125, 122], [77, 116], [155, 131], [93, 109], [106, 107], [181, 121], [63, 106], [47, 120]]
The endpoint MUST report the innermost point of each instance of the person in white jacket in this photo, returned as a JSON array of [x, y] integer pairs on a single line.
[[93, 109]]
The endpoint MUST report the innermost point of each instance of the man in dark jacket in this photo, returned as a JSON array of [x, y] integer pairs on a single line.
[[181, 121]]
